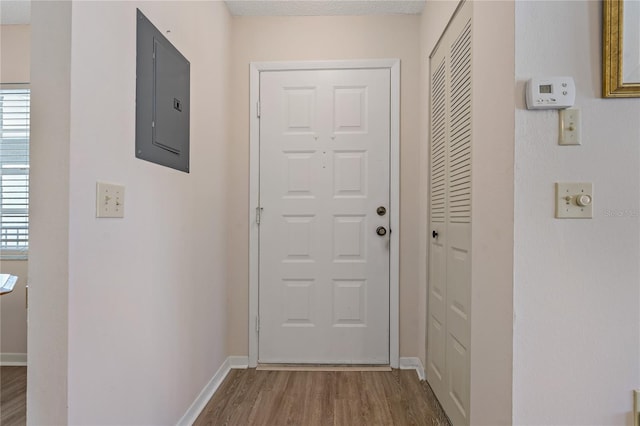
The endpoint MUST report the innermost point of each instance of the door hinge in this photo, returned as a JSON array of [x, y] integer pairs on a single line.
[[257, 323], [258, 109], [258, 214]]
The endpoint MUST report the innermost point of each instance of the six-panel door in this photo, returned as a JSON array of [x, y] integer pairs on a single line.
[[324, 172]]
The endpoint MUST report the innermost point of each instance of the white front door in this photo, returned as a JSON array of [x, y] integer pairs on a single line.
[[324, 183]]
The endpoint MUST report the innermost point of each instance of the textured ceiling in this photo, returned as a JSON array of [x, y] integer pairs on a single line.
[[15, 12], [19, 11], [323, 7]]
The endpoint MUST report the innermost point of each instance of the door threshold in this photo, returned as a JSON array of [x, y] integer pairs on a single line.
[[322, 367]]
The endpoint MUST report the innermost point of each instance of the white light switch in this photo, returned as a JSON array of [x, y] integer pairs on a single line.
[[109, 200], [574, 200], [569, 127]]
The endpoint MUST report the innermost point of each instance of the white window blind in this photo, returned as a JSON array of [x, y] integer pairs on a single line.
[[14, 172]]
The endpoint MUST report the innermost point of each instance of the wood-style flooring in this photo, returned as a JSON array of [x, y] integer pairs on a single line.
[[275, 398], [310, 398], [13, 396]]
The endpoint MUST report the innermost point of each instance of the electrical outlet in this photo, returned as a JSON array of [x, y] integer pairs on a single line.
[[574, 200], [109, 200], [569, 127]]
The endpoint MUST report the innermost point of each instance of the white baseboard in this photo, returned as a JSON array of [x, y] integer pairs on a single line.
[[238, 362], [13, 360], [232, 362], [413, 363]]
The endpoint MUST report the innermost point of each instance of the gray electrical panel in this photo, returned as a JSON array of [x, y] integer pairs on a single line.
[[162, 99]]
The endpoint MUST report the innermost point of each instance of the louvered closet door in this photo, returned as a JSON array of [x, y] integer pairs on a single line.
[[448, 367], [436, 336]]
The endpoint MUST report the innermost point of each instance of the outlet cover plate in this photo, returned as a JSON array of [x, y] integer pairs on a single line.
[[567, 206], [109, 200]]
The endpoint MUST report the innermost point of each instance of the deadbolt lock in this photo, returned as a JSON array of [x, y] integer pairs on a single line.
[[381, 211]]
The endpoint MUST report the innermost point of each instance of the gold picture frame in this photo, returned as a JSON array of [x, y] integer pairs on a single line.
[[613, 84]]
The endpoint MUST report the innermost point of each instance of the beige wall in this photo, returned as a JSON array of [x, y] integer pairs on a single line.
[[15, 61], [127, 322], [324, 38], [47, 399], [491, 349], [577, 292]]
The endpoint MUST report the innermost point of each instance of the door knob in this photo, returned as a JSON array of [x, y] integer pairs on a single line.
[[381, 231], [381, 211], [434, 234]]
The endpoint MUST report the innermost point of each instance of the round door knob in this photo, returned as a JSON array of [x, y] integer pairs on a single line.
[[381, 231], [434, 234]]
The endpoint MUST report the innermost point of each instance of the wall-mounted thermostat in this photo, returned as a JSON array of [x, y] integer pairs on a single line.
[[550, 93]]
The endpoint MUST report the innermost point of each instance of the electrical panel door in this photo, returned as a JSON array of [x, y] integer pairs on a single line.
[[162, 99]]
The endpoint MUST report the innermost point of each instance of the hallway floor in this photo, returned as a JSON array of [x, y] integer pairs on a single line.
[[13, 396], [303, 398]]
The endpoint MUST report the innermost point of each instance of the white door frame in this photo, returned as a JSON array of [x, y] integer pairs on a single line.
[[254, 187]]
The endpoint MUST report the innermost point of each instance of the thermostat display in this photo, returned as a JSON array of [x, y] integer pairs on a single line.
[[550, 93], [545, 88]]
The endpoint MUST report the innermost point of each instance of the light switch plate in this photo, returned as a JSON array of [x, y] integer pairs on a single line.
[[569, 127], [109, 200], [574, 200]]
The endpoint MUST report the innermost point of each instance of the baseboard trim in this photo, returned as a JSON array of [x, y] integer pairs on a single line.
[[413, 363], [232, 362], [8, 359], [238, 362], [312, 367]]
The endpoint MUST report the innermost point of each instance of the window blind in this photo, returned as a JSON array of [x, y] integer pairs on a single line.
[[14, 171]]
